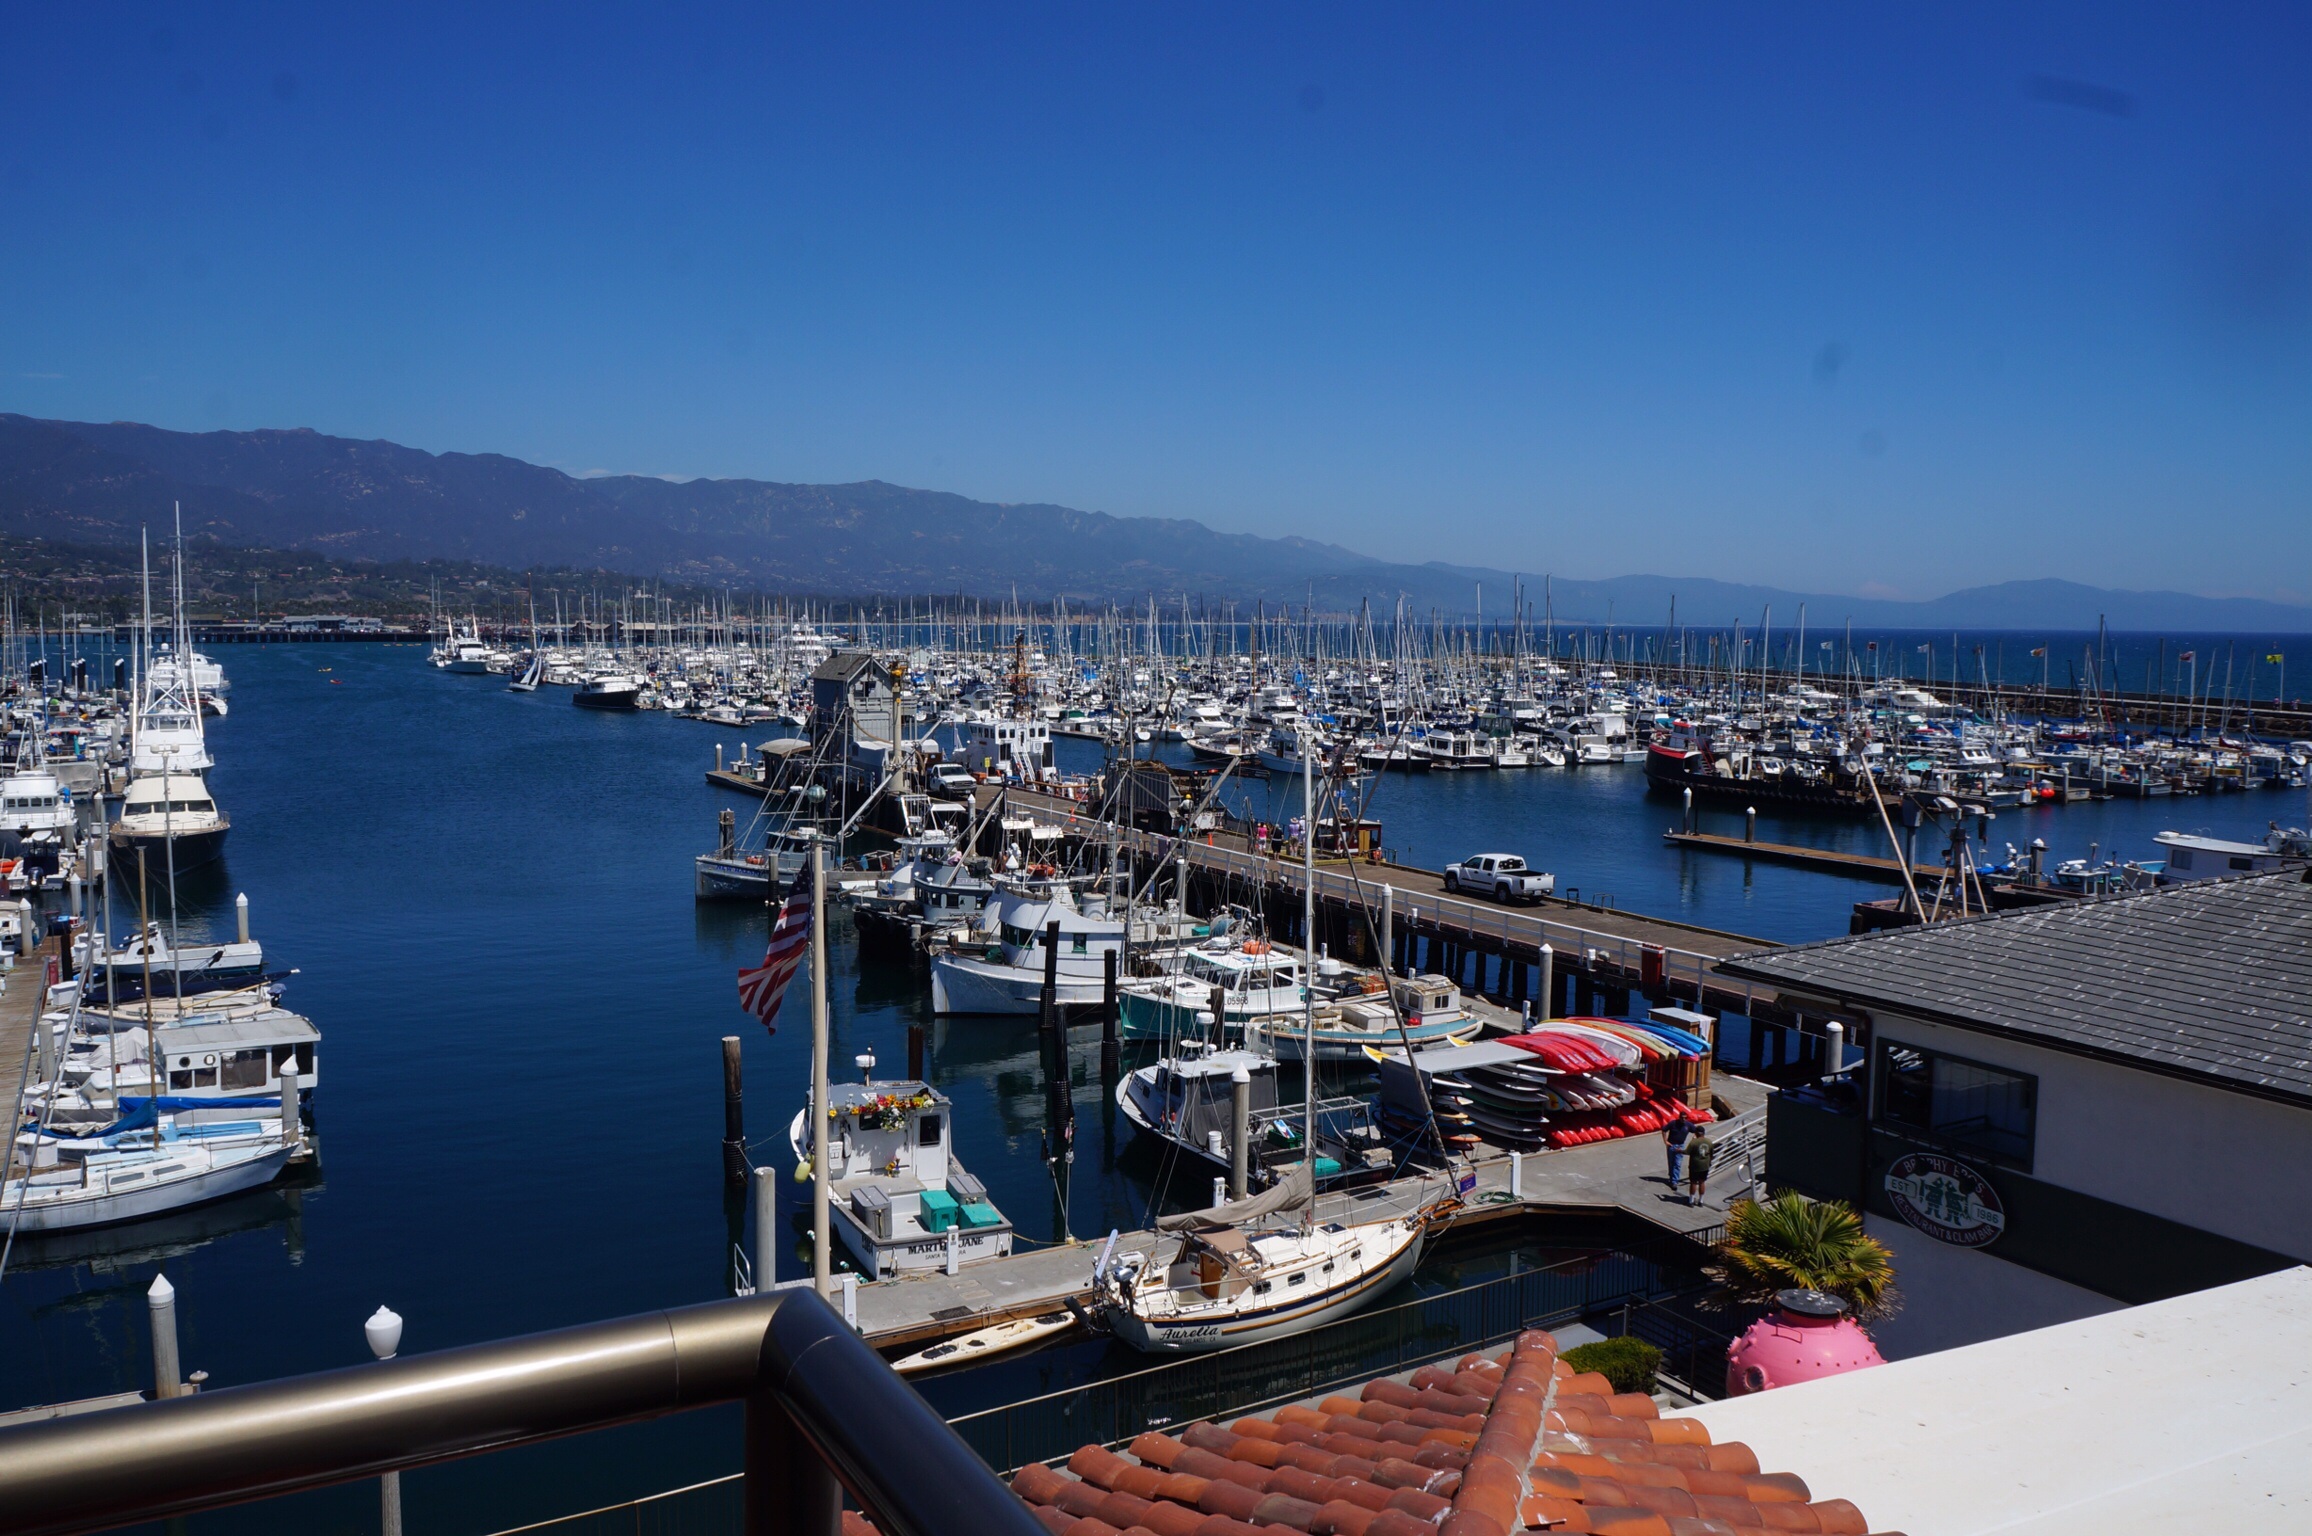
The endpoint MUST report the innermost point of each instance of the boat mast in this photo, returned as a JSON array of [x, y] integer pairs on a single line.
[[1308, 970], [822, 1237]]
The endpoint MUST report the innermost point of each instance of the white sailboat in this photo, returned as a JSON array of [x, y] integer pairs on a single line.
[[1264, 1266]]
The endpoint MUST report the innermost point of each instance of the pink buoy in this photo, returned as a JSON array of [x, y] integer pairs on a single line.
[[1807, 1336]]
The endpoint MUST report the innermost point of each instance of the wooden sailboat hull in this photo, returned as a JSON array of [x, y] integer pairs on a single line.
[[1196, 1335]]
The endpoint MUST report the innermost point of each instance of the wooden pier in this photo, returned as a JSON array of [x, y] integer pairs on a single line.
[[1627, 1176], [1857, 866], [1598, 955]]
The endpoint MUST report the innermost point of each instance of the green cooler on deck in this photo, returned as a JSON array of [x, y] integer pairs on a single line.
[[939, 1210], [980, 1214]]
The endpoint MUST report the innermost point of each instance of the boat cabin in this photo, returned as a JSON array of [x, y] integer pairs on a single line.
[[1009, 749]]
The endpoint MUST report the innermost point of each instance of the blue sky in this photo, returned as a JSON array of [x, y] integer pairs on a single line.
[[1854, 297]]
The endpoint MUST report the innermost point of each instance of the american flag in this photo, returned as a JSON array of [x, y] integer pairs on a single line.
[[762, 988]]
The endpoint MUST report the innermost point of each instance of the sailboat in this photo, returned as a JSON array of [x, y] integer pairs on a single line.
[[1260, 1267], [534, 671]]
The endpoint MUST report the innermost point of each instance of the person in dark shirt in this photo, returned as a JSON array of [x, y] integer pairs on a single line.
[[1674, 1137], [1699, 1155]]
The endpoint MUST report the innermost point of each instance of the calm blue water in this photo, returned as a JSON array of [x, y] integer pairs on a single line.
[[488, 899]]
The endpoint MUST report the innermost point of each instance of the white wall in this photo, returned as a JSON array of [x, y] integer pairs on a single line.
[[2221, 1162], [1953, 1296]]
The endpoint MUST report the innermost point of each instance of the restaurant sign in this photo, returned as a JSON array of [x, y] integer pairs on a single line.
[[1945, 1199]]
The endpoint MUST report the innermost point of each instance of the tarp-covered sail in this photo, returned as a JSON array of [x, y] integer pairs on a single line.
[[1291, 1190]]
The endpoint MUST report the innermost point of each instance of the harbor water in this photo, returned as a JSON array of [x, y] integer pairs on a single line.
[[487, 898]]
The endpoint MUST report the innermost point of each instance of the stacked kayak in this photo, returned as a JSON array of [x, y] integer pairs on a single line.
[[1565, 1083]]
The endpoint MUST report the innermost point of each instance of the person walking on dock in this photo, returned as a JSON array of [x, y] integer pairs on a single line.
[[1699, 1156], [1674, 1137]]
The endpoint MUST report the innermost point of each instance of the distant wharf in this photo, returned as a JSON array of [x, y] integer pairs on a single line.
[[1597, 956], [1857, 866], [1627, 1176]]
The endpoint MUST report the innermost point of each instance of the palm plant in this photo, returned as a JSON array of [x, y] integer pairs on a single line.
[[1791, 1242]]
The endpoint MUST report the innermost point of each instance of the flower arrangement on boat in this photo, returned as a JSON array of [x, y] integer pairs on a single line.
[[888, 1111]]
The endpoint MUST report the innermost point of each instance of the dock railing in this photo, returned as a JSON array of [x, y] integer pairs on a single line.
[[824, 1415], [1356, 1349]]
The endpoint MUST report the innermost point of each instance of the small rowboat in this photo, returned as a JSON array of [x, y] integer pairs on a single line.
[[987, 1342]]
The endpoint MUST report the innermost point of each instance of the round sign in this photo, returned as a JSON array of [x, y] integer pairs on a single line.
[[1945, 1199]]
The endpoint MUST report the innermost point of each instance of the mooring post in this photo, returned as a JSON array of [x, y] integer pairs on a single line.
[[1239, 1130], [168, 1372], [1388, 927], [1111, 1045], [1750, 825], [1689, 794], [766, 1257], [915, 1054], [241, 916], [734, 1116]]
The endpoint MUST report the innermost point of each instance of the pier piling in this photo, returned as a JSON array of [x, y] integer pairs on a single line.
[[734, 1145], [766, 1255], [1111, 1047], [915, 1054]]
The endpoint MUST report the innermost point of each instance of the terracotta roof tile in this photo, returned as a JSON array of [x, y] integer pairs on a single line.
[[1487, 1447]]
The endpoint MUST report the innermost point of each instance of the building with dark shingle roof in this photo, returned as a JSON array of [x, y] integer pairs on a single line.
[[2067, 1108]]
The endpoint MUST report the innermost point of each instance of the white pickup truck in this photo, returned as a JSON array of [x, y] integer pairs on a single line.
[[1502, 876]]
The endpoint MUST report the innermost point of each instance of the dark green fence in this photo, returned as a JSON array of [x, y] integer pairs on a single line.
[[1354, 1350]]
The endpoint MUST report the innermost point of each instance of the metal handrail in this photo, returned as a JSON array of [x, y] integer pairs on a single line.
[[821, 1408]]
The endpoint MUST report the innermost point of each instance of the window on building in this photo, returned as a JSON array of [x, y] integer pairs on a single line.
[[1959, 1104]]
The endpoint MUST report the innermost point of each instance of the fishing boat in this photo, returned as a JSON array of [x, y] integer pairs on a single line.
[[901, 1201], [1358, 1010], [1253, 980], [1007, 976]]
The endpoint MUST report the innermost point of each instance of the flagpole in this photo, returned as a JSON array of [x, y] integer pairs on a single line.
[[822, 1237]]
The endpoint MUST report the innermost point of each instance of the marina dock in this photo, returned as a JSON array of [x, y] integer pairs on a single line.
[[19, 1006], [1856, 866], [1624, 1176]]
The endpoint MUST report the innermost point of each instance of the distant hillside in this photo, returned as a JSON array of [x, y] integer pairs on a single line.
[[99, 483]]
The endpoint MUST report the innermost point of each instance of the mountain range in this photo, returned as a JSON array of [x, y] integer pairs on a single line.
[[299, 489]]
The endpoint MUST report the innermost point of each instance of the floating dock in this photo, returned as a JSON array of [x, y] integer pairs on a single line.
[[1855, 866], [1627, 1176]]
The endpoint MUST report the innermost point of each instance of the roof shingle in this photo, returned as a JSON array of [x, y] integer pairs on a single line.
[[2210, 980], [1486, 1448]]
